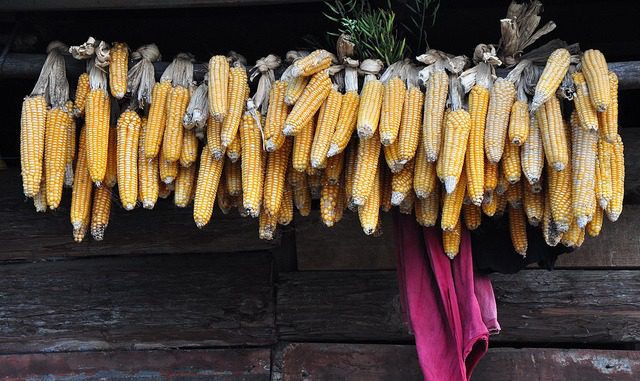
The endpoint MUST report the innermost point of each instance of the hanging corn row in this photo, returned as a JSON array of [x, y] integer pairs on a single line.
[[437, 137]]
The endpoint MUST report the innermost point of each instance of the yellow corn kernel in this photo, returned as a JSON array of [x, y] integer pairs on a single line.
[[595, 70], [267, 225], [285, 214], [472, 215], [71, 146], [312, 63], [583, 163], [409, 134], [176, 106], [424, 176], [369, 212], [111, 174], [428, 209], [209, 175], [551, 77], [518, 230], [491, 175], [614, 207], [302, 195], [234, 150], [433, 120], [236, 98], [511, 162], [586, 111], [603, 173], [502, 203], [276, 116], [553, 134], [233, 178], [451, 240], [573, 237], [148, 175], [295, 88], [452, 205], [533, 203], [329, 203], [97, 120], [214, 129], [189, 151], [128, 135], [532, 154], [335, 164], [559, 189], [168, 169], [474, 158], [456, 135], [218, 87], [184, 186], [55, 152], [369, 108], [608, 119], [501, 98], [252, 165], [519, 123], [514, 195], [82, 90], [302, 148], [100, 212], [595, 225], [157, 118], [401, 183], [346, 124], [392, 156], [490, 205], [327, 120], [82, 187], [118, 68], [275, 176], [367, 162], [391, 113], [351, 163], [40, 199], [312, 98]]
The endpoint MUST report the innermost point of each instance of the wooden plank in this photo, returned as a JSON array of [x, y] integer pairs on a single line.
[[344, 246], [187, 365], [30, 236], [533, 306], [372, 362], [51, 5], [139, 302], [28, 65]]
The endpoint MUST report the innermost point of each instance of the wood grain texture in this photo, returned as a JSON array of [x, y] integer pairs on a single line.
[[31, 236], [344, 246], [375, 362], [148, 302], [533, 306], [185, 365]]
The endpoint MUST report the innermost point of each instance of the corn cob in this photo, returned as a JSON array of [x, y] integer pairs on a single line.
[[595, 70], [97, 120], [402, 183], [276, 116], [128, 135], [501, 99], [451, 240], [369, 212], [501, 205], [490, 179], [514, 195], [369, 108], [327, 120], [553, 134], [55, 154], [118, 67], [302, 147], [233, 178], [583, 162], [490, 205], [310, 101], [347, 120], [111, 173], [550, 232], [168, 169], [519, 123], [551, 77], [148, 175], [189, 151], [302, 196], [214, 130], [608, 119], [71, 147], [392, 156], [595, 225], [329, 204], [351, 162], [560, 189], [603, 184], [573, 236], [392, 102], [176, 106], [433, 120], [511, 163], [456, 136], [533, 203], [184, 186], [100, 212], [502, 184], [237, 93], [474, 158], [267, 226], [427, 210], [424, 176], [252, 165], [157, 118], [164, 189], [586, 112], [314, 179], [614, 207], [82, 90], [225, 201], [82, 187], [285, 214], [407, 205], [409, 134], [295, 88], [452, 205], [335, 164], [532, 154], [40, 199], [218, 87], [518, 230], [472, 215], [209, 175], [367, 162], [275, 176], [314, 62], [234, 150]]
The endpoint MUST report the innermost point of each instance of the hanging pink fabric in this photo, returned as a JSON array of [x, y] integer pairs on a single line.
[[440, 302]]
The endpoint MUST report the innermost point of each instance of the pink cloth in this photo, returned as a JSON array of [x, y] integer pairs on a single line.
[[440, 302]]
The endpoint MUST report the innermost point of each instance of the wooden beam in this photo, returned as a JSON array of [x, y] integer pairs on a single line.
[[252, 364], [142, 303], [533, 306], [376, 362], [27, 66], [31, 236], [58, 5]]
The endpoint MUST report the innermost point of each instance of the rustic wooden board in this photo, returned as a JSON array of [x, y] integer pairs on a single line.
[[344, 246], [138, 302], [186, 365], [372, 362], [533, 306], [31, 236]]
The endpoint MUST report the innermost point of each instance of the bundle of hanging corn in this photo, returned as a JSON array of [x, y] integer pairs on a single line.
[[436, 136]]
